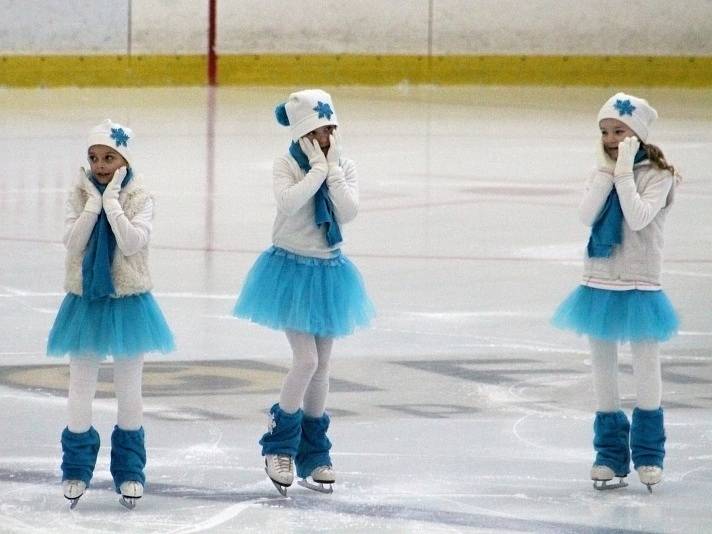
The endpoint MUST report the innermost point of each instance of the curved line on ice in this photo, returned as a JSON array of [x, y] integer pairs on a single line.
[[220, 518]]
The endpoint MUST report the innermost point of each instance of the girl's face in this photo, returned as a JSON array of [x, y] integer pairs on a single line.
[[103, 161], [322, 134], [613, 132]]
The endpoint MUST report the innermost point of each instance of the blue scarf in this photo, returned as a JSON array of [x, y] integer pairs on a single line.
[[607, 230], [99, 254], [323, 207]]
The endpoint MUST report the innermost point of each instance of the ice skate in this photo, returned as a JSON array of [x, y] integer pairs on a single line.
[[650, 475], [131, 491], [73, 489], [280, 470], [647, 442], [602, 475], [322, 479]]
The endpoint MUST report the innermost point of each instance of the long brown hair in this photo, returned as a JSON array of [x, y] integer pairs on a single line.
[[656, 156]]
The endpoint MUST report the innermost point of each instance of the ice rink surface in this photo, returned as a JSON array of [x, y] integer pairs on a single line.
[[460, 410]]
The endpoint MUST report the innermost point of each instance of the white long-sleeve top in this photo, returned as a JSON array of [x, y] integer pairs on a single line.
[[131, 223], [645, 195], [131, 236], [294, 228]]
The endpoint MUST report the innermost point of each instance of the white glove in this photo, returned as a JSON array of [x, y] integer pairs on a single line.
[[93, 204], [317, 159], [605, 162], [111, 193], [333, 155], [627, 149]]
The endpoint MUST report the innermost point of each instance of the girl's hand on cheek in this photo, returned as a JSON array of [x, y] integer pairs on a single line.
[[93, 204], [316, 157], [112, 190], [334, 154], [626, 156]]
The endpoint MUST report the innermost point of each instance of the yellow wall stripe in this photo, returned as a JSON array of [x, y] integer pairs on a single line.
[[291, 69], [102, 71]]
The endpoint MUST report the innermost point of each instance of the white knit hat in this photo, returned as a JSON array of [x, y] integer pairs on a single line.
[[305, 111], [632, 111], [113, 135]]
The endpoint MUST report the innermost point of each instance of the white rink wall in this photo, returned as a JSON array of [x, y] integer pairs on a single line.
[[412, 27]]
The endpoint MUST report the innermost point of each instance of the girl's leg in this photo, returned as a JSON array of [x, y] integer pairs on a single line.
[[647, 433], [648, 379], [128, 451], [282, 440], [128, 375], [318, 389], [83, 374], [305, 360], [80, 441], [604, 363], [611, 429], [313, 455]]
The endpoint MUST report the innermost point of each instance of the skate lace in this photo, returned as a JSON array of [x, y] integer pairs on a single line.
[[282, 463]]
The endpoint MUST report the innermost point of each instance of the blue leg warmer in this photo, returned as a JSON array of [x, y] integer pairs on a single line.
[[79, 452], [647, 437], [284, 432], [128, 456], [314, 445], [611, 431]]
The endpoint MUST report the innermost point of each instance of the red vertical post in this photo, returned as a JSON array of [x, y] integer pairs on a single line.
[[212, 32], [210, 133], [210, 170]]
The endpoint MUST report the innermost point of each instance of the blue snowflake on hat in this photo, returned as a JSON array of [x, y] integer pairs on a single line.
[[624, 107], [120, 136], [324, 110]]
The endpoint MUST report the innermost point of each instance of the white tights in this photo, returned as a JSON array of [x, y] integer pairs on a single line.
[[307, 382], [83, 375], [646, 371]]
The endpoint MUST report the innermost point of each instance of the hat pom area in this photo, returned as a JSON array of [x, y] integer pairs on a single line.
[[281, 113]]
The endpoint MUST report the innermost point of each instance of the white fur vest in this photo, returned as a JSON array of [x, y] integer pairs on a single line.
[[129, 273]]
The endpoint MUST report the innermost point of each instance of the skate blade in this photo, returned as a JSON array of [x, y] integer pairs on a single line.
[[650, 487], [73, 501], [321, 487], [129, 502], [603, 485], [281, 488]]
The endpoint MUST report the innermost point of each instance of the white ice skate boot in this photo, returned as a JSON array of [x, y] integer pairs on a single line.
[[73, 489], [131, 491], [322, 479], [650, 475], [280, 470], [602, 476]]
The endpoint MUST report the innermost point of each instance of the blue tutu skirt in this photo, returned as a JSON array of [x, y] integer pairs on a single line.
[[323, 297], [121, 327], [620, 316]]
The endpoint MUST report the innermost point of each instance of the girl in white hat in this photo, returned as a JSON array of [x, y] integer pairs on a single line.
[[306, 287], [620, 298], [108, 310]]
